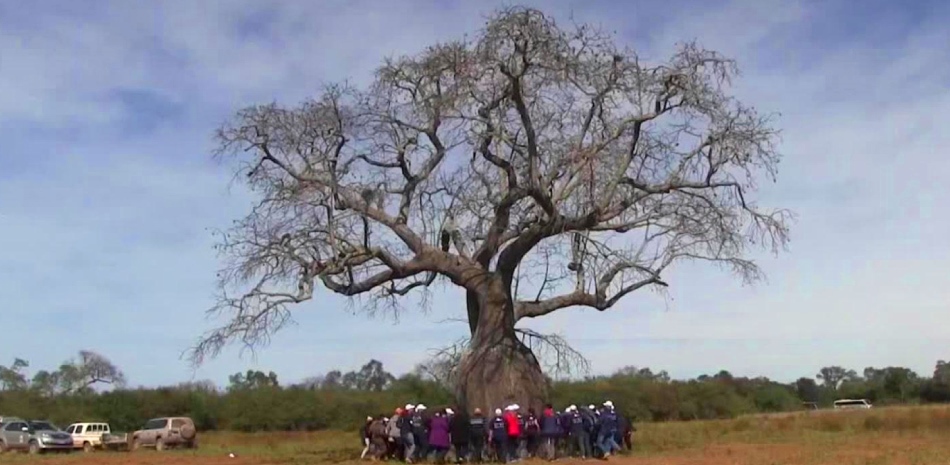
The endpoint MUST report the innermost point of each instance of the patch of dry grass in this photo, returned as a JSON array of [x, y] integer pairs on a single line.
[[899, 435]]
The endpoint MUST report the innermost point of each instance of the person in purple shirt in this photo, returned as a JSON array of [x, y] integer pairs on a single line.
[[439, 439]]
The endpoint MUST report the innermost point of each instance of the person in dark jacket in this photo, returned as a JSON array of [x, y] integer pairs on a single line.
[[408, 435], [628, 431], [478, 434], [420, 431], [580, 434], [592, 424], [565, 440], [532, 433], [550, 430], [364, 437], [608, 429], [498, 434], [459, 427]]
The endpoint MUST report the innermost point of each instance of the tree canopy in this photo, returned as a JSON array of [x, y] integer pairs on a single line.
[[538, 167]]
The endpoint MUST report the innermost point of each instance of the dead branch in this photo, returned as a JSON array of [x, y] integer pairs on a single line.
[[474, 159]]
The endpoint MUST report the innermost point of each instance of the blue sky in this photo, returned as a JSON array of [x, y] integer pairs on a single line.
[[108, 192]]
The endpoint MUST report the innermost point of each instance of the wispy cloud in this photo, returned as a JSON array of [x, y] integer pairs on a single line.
[[107, 189]]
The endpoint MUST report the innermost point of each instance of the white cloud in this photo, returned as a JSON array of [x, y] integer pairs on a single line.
[[101, 222]]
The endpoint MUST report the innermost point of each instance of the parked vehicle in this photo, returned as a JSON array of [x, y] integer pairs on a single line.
[[115, 441], [33, 436], [850, 404], [162, 433], [92, 436]]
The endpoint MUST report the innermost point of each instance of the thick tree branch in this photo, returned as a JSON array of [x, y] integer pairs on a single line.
[[532, 150]]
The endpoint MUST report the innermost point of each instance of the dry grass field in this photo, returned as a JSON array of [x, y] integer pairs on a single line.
[[904, 435]]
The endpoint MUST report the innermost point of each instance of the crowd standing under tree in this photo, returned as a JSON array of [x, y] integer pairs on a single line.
[[412, 435]]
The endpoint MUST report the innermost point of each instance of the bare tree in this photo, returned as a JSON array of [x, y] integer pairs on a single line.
[[88, 370], [537, 167]]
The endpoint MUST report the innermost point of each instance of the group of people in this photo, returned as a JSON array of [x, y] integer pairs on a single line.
[[412, 435]]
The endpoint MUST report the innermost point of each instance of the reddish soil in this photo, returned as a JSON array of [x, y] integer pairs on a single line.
[[896, 450]]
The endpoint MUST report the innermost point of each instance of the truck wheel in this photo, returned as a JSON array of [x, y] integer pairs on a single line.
[[34, 448], [159, 444], [87, 447]]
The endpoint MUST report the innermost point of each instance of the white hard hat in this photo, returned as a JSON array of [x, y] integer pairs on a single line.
[[497, 411], [410, 407], [591, 407], [572, 408], [420, 407], [609, 404], [515, 407], [449, 411]]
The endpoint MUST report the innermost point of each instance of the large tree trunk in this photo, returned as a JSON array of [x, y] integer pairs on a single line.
[[498, 370]]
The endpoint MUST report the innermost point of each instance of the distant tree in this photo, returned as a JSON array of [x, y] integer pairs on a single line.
[[13, 378], [88, 370], [312, 383], [205, 385], [643, 373], [807, 390], [333, 380], [537, 167], [937, 389], [832, 377], [942, 372], [900, 383], [373, 377], [252, 379], [350, 380], [774, 397], [723, 375], [46, 383]]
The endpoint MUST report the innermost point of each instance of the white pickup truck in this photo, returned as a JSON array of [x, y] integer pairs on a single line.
[[92, 436]]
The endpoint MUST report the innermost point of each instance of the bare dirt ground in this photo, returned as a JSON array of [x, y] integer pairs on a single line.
[[881, 450]]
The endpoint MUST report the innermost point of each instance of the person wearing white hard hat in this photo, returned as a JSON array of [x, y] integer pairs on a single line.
[[579, 433], [408, 433], [513, 427], [420, 432], [498, 436], [607, 433], [364, 436]]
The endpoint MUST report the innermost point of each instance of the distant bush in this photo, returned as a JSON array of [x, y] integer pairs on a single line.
[[256, 402]]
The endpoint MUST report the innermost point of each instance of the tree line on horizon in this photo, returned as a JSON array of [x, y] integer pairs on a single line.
[[257, 401]]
